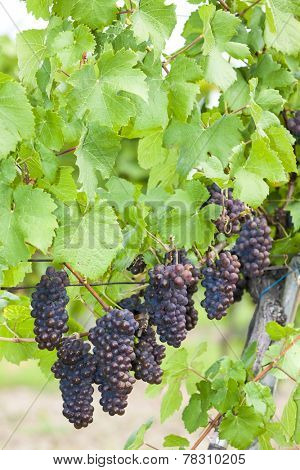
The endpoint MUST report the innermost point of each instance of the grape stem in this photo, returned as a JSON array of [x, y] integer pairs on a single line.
[[224, 5], [88, 287], [242, 13], [273, 364], [291, 189], [32, 340]]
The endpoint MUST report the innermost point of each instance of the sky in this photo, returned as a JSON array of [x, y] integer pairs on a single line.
[[14, 18]]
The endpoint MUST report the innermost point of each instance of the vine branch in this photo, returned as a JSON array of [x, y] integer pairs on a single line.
[[243, 12], [224, 5], [88, 287], [64, 152], [32, 340], [214, 423], [183, 49]]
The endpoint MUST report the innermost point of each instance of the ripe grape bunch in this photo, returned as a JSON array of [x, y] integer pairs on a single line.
[[75, 368], [167, 299], [293, 124], [191, 314], [220, 281], [253, 247], [48, 309], [148, 357], [229, 221], [113, 340]]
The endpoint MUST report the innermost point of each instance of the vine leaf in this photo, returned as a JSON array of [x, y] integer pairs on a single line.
[[16, 117], [97, 151], [182, 90], [296, 398], [136, 440], [94, 13], [89, 243], [31, 50], [172, 400], [33, 208], [195, 413], [260, 397], [282, 29], [196, 142], [39, 8], [97, 89], [155, 21], [172, 440], [241, 429]]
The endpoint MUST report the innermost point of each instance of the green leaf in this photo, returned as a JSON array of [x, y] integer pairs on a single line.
[[94, 13], [242, 428], [151, 151], [282, 29], [226, 397], [70, 45], [218, 70], [172, 440], [249, 355], [296, 398], [64, 187], [16, 274], [260, 397], [98, 89], [98, 149], [39, 8], [89, 243], [250, 188], [282, 143], [191, 197], [294, 209], [264, 162], [195, 142], [176, 363], [171, 401], [31, 50], [278, 332], [195, 413], [16, 118], [154, 21], [49, 129], [288, 418], [136, 440], [182, 90], [151, 115], [33, 208]]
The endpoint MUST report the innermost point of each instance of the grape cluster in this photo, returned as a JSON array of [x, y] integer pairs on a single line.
[[113, 340], [148, 357], [253, 246], [191, 315], [48, 309], [230, 218], [293, 124], [220, 280], [166, 300], [75, 368], [138, 265]]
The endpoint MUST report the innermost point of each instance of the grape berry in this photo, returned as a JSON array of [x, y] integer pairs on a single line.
[[293, 124], [48, 309]]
